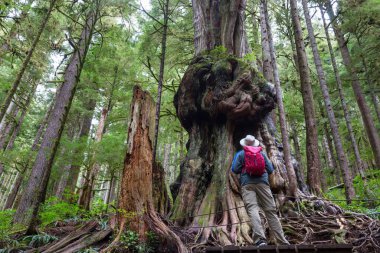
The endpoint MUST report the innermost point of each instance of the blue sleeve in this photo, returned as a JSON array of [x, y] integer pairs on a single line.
[[268, 164], [237, 163]]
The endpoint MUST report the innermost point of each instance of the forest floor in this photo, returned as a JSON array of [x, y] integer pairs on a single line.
[[305, 222]]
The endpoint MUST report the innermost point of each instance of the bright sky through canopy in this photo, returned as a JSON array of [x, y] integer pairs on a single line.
[[146, 4]]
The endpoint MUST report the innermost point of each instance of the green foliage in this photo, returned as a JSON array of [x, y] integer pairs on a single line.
[[5, 224], [361, 203], [39, 240], [130, 240], [55, 210], [89, 250]]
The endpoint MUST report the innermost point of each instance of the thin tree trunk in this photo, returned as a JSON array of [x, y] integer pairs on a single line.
[[332, 151], [267, 68], [369, 125], [297, 150], [9, 126], [165, 9], [266, 51], [21, 118], [88, 186], [370, 83], [313, 160], [26, 61], [84, 131], [359, 162], [15, 189], [4, 122], [35, 191], [343, 162], [292, 190], [376, 104]]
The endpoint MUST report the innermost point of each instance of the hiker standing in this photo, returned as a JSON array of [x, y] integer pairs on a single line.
[[254, 167]]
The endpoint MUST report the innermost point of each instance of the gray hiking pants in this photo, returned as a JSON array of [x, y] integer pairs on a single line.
[[255, 195]]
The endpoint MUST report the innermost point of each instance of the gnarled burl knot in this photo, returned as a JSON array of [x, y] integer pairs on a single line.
[[222, 88]]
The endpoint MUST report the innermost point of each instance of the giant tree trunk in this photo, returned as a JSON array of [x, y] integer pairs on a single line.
[[342, 158], [136, 208], [35, 191], [312, 154], [26, 61], [220, 100], [369, 125]]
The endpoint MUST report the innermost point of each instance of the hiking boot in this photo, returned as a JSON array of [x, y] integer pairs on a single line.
[[261, 242]]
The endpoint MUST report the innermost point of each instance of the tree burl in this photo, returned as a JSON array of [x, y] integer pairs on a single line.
[[221, 89]]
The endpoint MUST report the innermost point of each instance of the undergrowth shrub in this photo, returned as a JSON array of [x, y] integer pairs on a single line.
[[39, 239], [362, 201], [5, 224], [55, 209], [6, 229], [130, 240]]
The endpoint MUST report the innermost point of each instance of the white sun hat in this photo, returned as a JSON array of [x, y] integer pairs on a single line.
[[249, 140]]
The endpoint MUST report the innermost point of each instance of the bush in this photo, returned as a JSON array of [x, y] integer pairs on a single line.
[[39, 240], [130, 240], [5, 224], [361, 204], [55, 210]]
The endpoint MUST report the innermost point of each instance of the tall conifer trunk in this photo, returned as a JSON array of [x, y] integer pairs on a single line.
[[292, 189], [359, 162], [365, 112], [312, 153], [347, 177], [35, 191], [84, 131], [87, 188]]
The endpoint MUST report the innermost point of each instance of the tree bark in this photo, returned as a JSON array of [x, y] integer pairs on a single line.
[[26, 61], [266, 51], [220, 23], [11, 120], [88, 186], [359, 162], [292, 189], [300, 169], [35, 191], [5, 121], [165, 10], [84, 131], [312, 153], [15, 189], [220, 100], [136, 206], [343, 162], [369, 125]]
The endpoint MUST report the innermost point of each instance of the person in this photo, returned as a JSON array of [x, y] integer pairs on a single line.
[[256, 192]]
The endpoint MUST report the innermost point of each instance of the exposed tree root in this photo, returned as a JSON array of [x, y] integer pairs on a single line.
[[81, 238]]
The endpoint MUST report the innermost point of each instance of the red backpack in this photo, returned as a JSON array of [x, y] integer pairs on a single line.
[[254, 163]]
